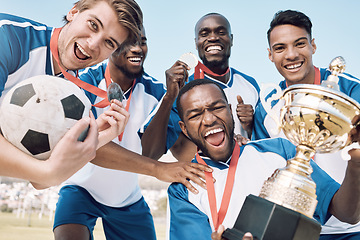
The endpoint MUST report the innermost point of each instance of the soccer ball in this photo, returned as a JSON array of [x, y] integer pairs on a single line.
[[37, 112]]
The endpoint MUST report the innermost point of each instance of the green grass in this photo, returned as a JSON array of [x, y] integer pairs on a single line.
[[13, 228]]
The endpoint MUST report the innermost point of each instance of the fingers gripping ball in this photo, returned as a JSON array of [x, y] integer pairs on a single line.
[[36, 113]]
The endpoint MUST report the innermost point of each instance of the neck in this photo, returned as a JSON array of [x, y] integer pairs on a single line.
[[220, 71], [119, 77], [57, 69], [308, 79]]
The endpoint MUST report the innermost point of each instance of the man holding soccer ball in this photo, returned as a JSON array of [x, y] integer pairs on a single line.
[[88, 37]]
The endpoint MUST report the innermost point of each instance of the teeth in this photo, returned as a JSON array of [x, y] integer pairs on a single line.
[[293, 66], [82, 50], [213, 48], [213, 131], [135, 59]]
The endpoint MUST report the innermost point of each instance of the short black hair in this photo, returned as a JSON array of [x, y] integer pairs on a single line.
[[191, 85], [290, 17], [212, 14]]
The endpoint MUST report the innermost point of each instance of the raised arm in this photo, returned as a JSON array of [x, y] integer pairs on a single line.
[[157, 129]]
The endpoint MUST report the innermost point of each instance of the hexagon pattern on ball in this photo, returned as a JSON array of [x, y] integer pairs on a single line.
[[36, 113]]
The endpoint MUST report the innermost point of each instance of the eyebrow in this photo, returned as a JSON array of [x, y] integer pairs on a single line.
[[196, 110], [102, 26], [280, 44]]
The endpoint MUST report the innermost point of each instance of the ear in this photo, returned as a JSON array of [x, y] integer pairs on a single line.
[[183, 128], [72, 13], [195, 43], [270, 55], [313, 45], [232, 38]]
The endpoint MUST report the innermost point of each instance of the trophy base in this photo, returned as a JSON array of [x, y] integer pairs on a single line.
[[266, 220]]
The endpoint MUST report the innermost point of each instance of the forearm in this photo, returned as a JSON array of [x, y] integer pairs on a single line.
[[346, 202], [116, 157], [156, 132], [17, 164]]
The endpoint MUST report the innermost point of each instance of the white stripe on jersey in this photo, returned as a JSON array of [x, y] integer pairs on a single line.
[[21, 24]]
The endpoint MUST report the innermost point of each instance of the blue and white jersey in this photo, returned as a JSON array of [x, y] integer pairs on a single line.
[[113, 187], [190, 213], [24, 52], [332, 163], [238, 84]]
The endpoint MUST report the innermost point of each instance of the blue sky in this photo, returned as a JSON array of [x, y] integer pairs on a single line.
[[170, 29]]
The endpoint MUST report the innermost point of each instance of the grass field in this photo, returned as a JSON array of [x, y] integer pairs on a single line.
[[13, 228]]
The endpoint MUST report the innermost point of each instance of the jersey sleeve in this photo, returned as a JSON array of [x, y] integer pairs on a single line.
[[10, 54], [259, 130], [186, 220], [173, 128]]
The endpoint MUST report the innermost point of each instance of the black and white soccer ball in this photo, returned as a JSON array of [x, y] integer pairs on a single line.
[[37, 112]]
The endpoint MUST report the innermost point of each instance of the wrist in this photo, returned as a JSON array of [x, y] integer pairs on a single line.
[[169, 98]]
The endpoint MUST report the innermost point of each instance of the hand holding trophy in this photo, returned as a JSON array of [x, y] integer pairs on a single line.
[[317, 119]]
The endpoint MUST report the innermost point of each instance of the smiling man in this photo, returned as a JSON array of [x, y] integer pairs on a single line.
[[213, 41], [239, 171], [291, 48], [94, 29]]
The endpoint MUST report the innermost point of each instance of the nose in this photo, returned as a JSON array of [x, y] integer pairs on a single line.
[[292, 53], [94, 41], [213, 36], [136, 48], [208, 118]]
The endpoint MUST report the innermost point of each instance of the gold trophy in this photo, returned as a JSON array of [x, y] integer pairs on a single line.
[[317, 119]]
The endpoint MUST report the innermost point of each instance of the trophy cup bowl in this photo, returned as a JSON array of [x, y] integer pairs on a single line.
[[316, 119]]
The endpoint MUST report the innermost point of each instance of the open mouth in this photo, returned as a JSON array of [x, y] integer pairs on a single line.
[[293, 66], [215, 48], [215, 137], [80, 53]]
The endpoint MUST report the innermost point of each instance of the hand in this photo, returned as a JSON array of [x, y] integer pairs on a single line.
[[69, 154], [354, 135], [176, 76], [112, 122], [241, 140], [245, 113], [181, 171], [217, 235]]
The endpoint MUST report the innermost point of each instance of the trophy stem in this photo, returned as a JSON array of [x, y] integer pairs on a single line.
[[292, 186]]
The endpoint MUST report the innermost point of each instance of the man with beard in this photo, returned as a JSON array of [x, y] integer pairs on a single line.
[[213, 40], [291, 48], [206, 119], [115, 195]]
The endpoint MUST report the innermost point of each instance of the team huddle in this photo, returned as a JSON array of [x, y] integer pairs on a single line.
[[212, 122]]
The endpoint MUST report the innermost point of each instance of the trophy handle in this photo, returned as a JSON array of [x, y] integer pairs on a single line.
[[267, 103]]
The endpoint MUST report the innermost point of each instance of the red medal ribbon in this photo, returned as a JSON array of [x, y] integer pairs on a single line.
[[108, 81], [88, 87], [218, 217], [201, 68]]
